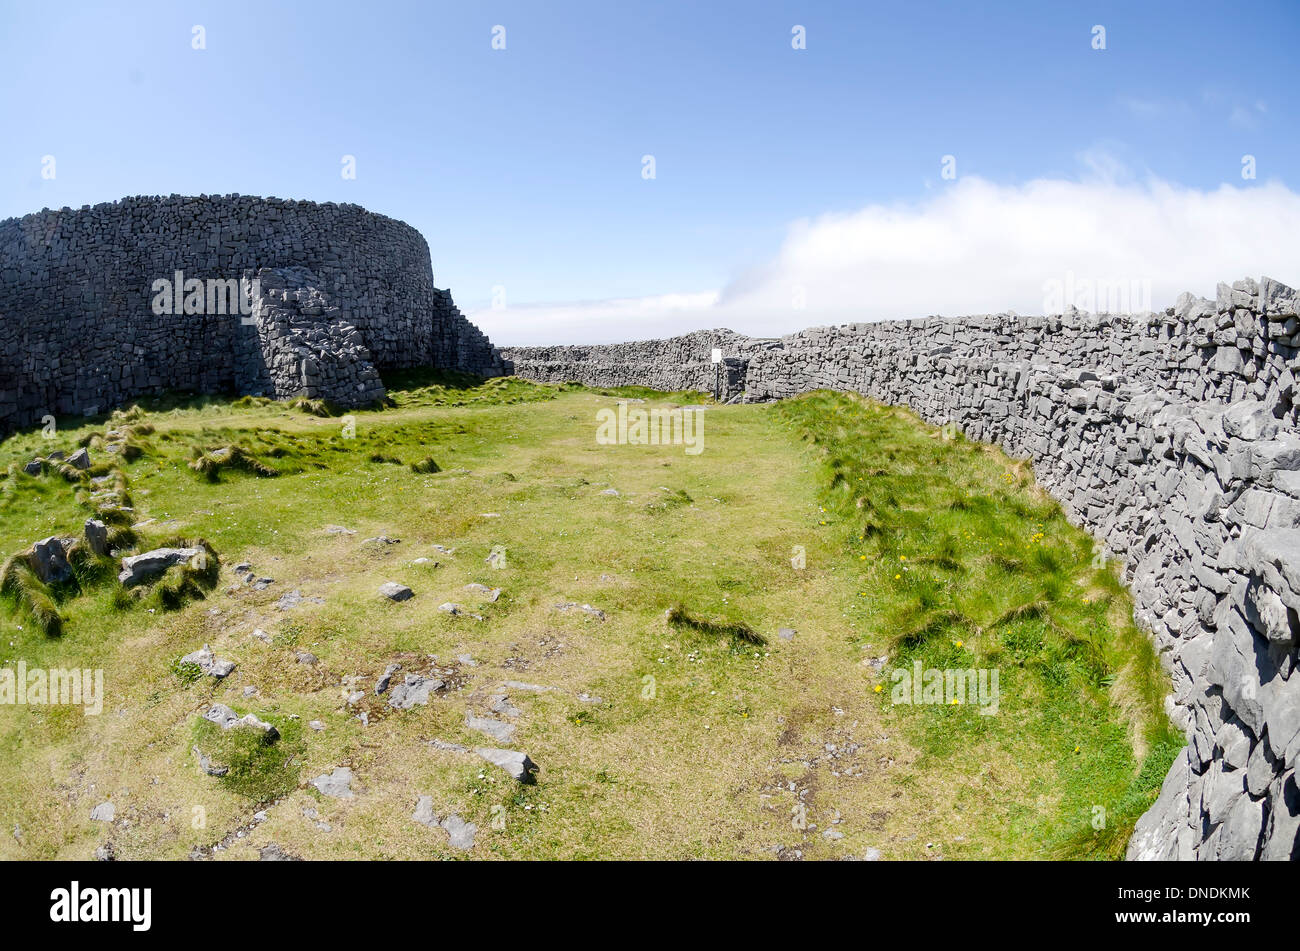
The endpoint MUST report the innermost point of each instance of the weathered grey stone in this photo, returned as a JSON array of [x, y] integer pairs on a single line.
[[208, 767], [497, 729], [395, 592], [49, 560], [412, 691], [137, 569], [424, 813], [1239, 839], [446, 747], [104, 812], [565, 607], [274, 853], [517, 764], [1281, 839], [337, 785], [386, 679], [1233, 741], [1259, 770], [226, 718], [531, 688], [97, 536], [460, 834], [291, 599], [209, 663], [489, 594], [1153, 836]]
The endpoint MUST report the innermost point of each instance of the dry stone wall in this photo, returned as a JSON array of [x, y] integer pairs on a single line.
[[80, 331], [1172, 437], [677, 363]]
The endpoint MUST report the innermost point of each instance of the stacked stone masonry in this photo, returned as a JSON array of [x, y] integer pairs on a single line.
[[79, 331], [1171, 436]]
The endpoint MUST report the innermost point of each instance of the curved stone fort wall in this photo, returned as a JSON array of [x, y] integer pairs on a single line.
[[1172, 437], [342, 294]]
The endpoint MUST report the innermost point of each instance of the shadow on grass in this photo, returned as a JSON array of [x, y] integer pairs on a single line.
[[679, 617], [416, 378]]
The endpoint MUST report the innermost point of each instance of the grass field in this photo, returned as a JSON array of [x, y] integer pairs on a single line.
[[680, 724]]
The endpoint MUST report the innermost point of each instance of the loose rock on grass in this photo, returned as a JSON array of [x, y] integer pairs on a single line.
[[395, 592], [517, 764], [336, 785], [209, 663]]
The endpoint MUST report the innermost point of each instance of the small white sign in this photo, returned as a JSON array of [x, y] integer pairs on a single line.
[[717, 355]]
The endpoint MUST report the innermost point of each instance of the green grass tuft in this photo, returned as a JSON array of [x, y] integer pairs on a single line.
[[30, 595], [189, 581], [314, 407], [258, 770], [969, 566], [212, 463]]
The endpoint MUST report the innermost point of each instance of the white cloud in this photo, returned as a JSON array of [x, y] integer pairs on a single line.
[[1247, 117], [1142, 108], [974, 247]]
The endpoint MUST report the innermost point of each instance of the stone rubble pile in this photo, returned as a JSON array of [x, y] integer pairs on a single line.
[[304, 347]]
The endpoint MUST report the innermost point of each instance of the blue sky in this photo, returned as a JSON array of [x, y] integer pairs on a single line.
[[523, 167]]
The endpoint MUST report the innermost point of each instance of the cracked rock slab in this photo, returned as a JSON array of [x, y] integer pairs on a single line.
[[337, 785], [460, 834], [413, 690], [137, 569], [497, 729]]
